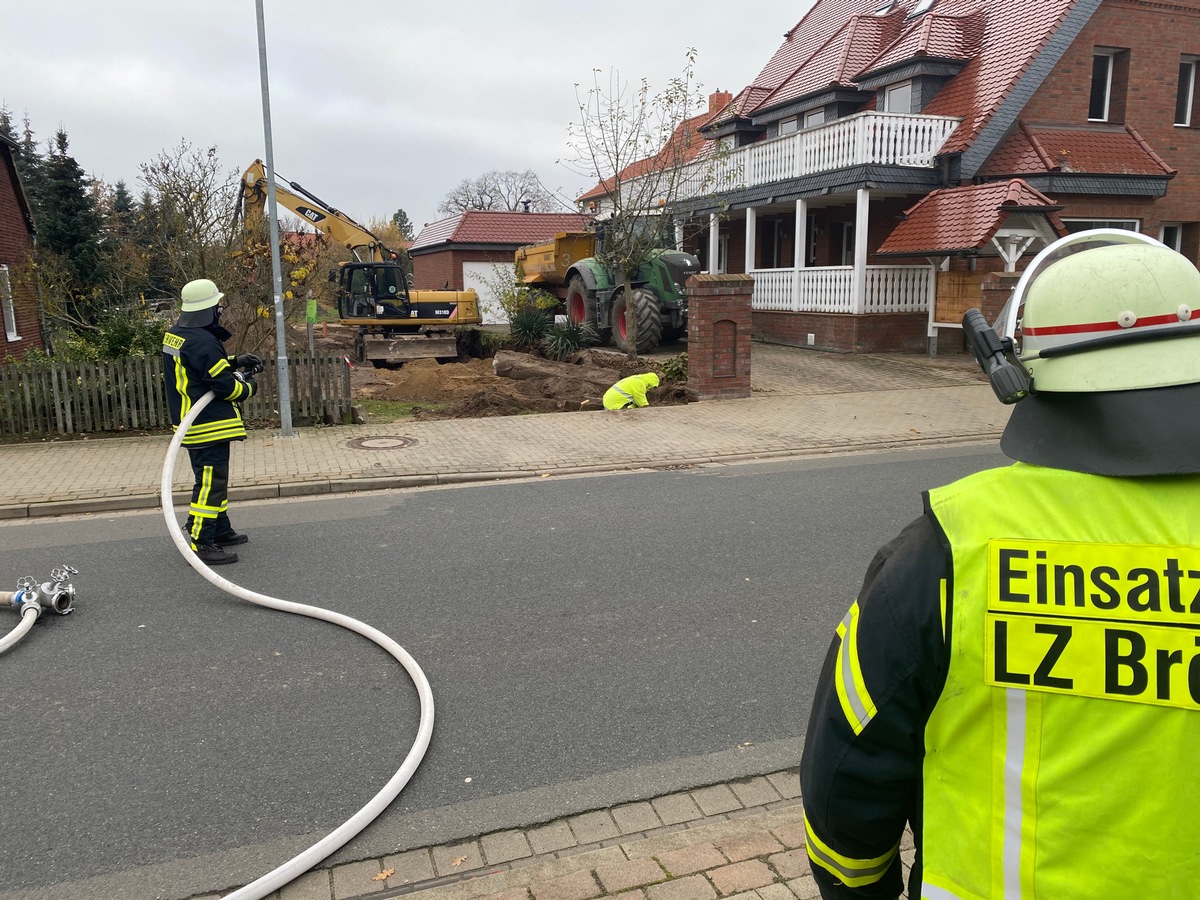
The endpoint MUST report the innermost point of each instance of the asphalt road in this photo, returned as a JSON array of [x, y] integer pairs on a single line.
[[589, 641]]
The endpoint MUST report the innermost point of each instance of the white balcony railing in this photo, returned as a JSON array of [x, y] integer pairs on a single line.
[[830, 289], [894, 139]]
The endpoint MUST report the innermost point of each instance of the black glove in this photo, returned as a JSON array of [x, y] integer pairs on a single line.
[[247, 361], [248, 380]]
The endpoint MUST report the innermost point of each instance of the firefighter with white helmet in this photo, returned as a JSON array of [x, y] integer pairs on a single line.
[[194, 363], [1019, 678]]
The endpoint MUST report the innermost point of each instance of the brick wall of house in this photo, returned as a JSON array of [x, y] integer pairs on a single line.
[[434, 271], [1155, 36], [15, 245], [874, 333], [719, 330]]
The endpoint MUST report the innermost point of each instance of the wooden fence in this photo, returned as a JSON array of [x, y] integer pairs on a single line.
[[128, 394]]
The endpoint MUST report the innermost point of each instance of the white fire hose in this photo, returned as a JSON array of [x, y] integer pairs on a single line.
[[298, 865]]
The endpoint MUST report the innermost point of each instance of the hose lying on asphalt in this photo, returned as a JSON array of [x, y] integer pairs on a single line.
[[29, 615], [298, 865]]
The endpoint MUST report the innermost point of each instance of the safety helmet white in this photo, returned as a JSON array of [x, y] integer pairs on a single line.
[[1106, 310], [199, 294]]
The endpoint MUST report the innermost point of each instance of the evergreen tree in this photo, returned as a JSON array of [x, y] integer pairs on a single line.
[[70, 223], [148, 232], [119, 220], [30, 164], [403, 225]]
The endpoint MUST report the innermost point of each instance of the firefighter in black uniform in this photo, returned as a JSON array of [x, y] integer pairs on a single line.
[[1019, 678], [194, 363]]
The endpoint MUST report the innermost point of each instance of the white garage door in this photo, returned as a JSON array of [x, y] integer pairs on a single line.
[[480, 276]]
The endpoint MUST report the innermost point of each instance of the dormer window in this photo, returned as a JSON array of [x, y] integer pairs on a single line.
[[923, 6], [898, 98]]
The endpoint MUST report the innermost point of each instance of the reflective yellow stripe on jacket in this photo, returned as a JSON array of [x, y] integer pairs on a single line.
[[852, 692], [850, 871]]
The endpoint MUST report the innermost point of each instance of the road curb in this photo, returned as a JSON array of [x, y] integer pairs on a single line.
[[343, 486]]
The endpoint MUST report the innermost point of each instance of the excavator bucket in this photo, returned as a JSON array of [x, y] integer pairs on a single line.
[[402, 348]]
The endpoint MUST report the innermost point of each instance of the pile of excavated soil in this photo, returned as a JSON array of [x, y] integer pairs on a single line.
[[470, 388]]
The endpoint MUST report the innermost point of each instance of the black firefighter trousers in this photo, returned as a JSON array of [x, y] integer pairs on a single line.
[[208, 514]]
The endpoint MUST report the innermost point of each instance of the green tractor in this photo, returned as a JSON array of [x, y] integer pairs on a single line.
[[594, 295]]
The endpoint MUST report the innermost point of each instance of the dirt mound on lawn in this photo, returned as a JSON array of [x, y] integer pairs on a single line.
[[472, 389]]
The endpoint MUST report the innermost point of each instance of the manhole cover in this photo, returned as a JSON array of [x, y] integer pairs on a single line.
[[381, 442]]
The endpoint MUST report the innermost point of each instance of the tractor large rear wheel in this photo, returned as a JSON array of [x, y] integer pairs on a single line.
[[648, 313], [581, 309]]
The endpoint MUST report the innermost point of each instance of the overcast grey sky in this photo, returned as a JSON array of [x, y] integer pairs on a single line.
[[375, 105]]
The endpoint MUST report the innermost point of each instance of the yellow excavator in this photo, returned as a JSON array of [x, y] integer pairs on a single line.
[[394, 323]]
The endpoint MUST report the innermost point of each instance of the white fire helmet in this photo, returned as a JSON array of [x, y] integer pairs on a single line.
[[1106, 310]]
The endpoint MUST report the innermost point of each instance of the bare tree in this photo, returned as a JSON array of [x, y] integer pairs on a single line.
[[644, 150], [501, 191], [196, 201]]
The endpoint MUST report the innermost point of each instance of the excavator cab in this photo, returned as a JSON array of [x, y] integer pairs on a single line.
[[373, 290]]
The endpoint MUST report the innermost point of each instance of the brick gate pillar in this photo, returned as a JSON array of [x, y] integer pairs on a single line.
[[719, 328]]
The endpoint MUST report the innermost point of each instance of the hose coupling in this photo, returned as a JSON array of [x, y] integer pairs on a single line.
[[56, 595]]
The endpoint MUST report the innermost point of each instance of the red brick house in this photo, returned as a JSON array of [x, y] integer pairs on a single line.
[[461, 252], [1081, 113], [18, 303]]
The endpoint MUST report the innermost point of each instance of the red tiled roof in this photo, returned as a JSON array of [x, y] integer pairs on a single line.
[[479, 226], [1097, 150], [964, 218], [840, 40], [1014, 34], [944, 37]]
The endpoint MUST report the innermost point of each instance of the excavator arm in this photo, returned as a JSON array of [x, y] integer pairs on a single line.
[[365, 246], [393, 324]]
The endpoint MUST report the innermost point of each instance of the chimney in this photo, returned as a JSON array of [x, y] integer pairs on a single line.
[[718, 101]]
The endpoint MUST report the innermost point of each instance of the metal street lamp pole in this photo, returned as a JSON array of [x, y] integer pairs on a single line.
[[281, 360]]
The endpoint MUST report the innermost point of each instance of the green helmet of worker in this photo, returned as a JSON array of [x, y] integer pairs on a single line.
[[200, 299], [1106, 324]]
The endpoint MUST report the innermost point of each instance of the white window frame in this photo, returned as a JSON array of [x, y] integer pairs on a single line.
[[921, 7], [1110, 56], [893, 89], [1175, 242], [722, 254], [814, 117], [1074, 225], [1188, 62], [6, 301], [790, 125]]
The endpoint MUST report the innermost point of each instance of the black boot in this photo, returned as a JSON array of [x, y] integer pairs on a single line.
[[212, 555], [230, 539]]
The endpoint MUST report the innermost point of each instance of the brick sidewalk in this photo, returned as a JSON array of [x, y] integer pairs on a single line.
[[738, 841]]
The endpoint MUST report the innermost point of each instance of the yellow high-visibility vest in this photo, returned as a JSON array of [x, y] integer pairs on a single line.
[[1062, 756]]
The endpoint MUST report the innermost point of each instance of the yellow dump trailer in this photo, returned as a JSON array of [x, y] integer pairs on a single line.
[[546, 265]]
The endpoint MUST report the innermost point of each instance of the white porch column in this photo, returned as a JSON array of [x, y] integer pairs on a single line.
[[714, 244], [679, 236], [858, 278], [800, 253], [751, 238]]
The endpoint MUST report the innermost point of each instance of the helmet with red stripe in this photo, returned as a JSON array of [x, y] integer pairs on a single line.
[[1106, 310]]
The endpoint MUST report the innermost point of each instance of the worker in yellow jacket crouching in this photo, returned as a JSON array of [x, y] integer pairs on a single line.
[[630, 391]]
